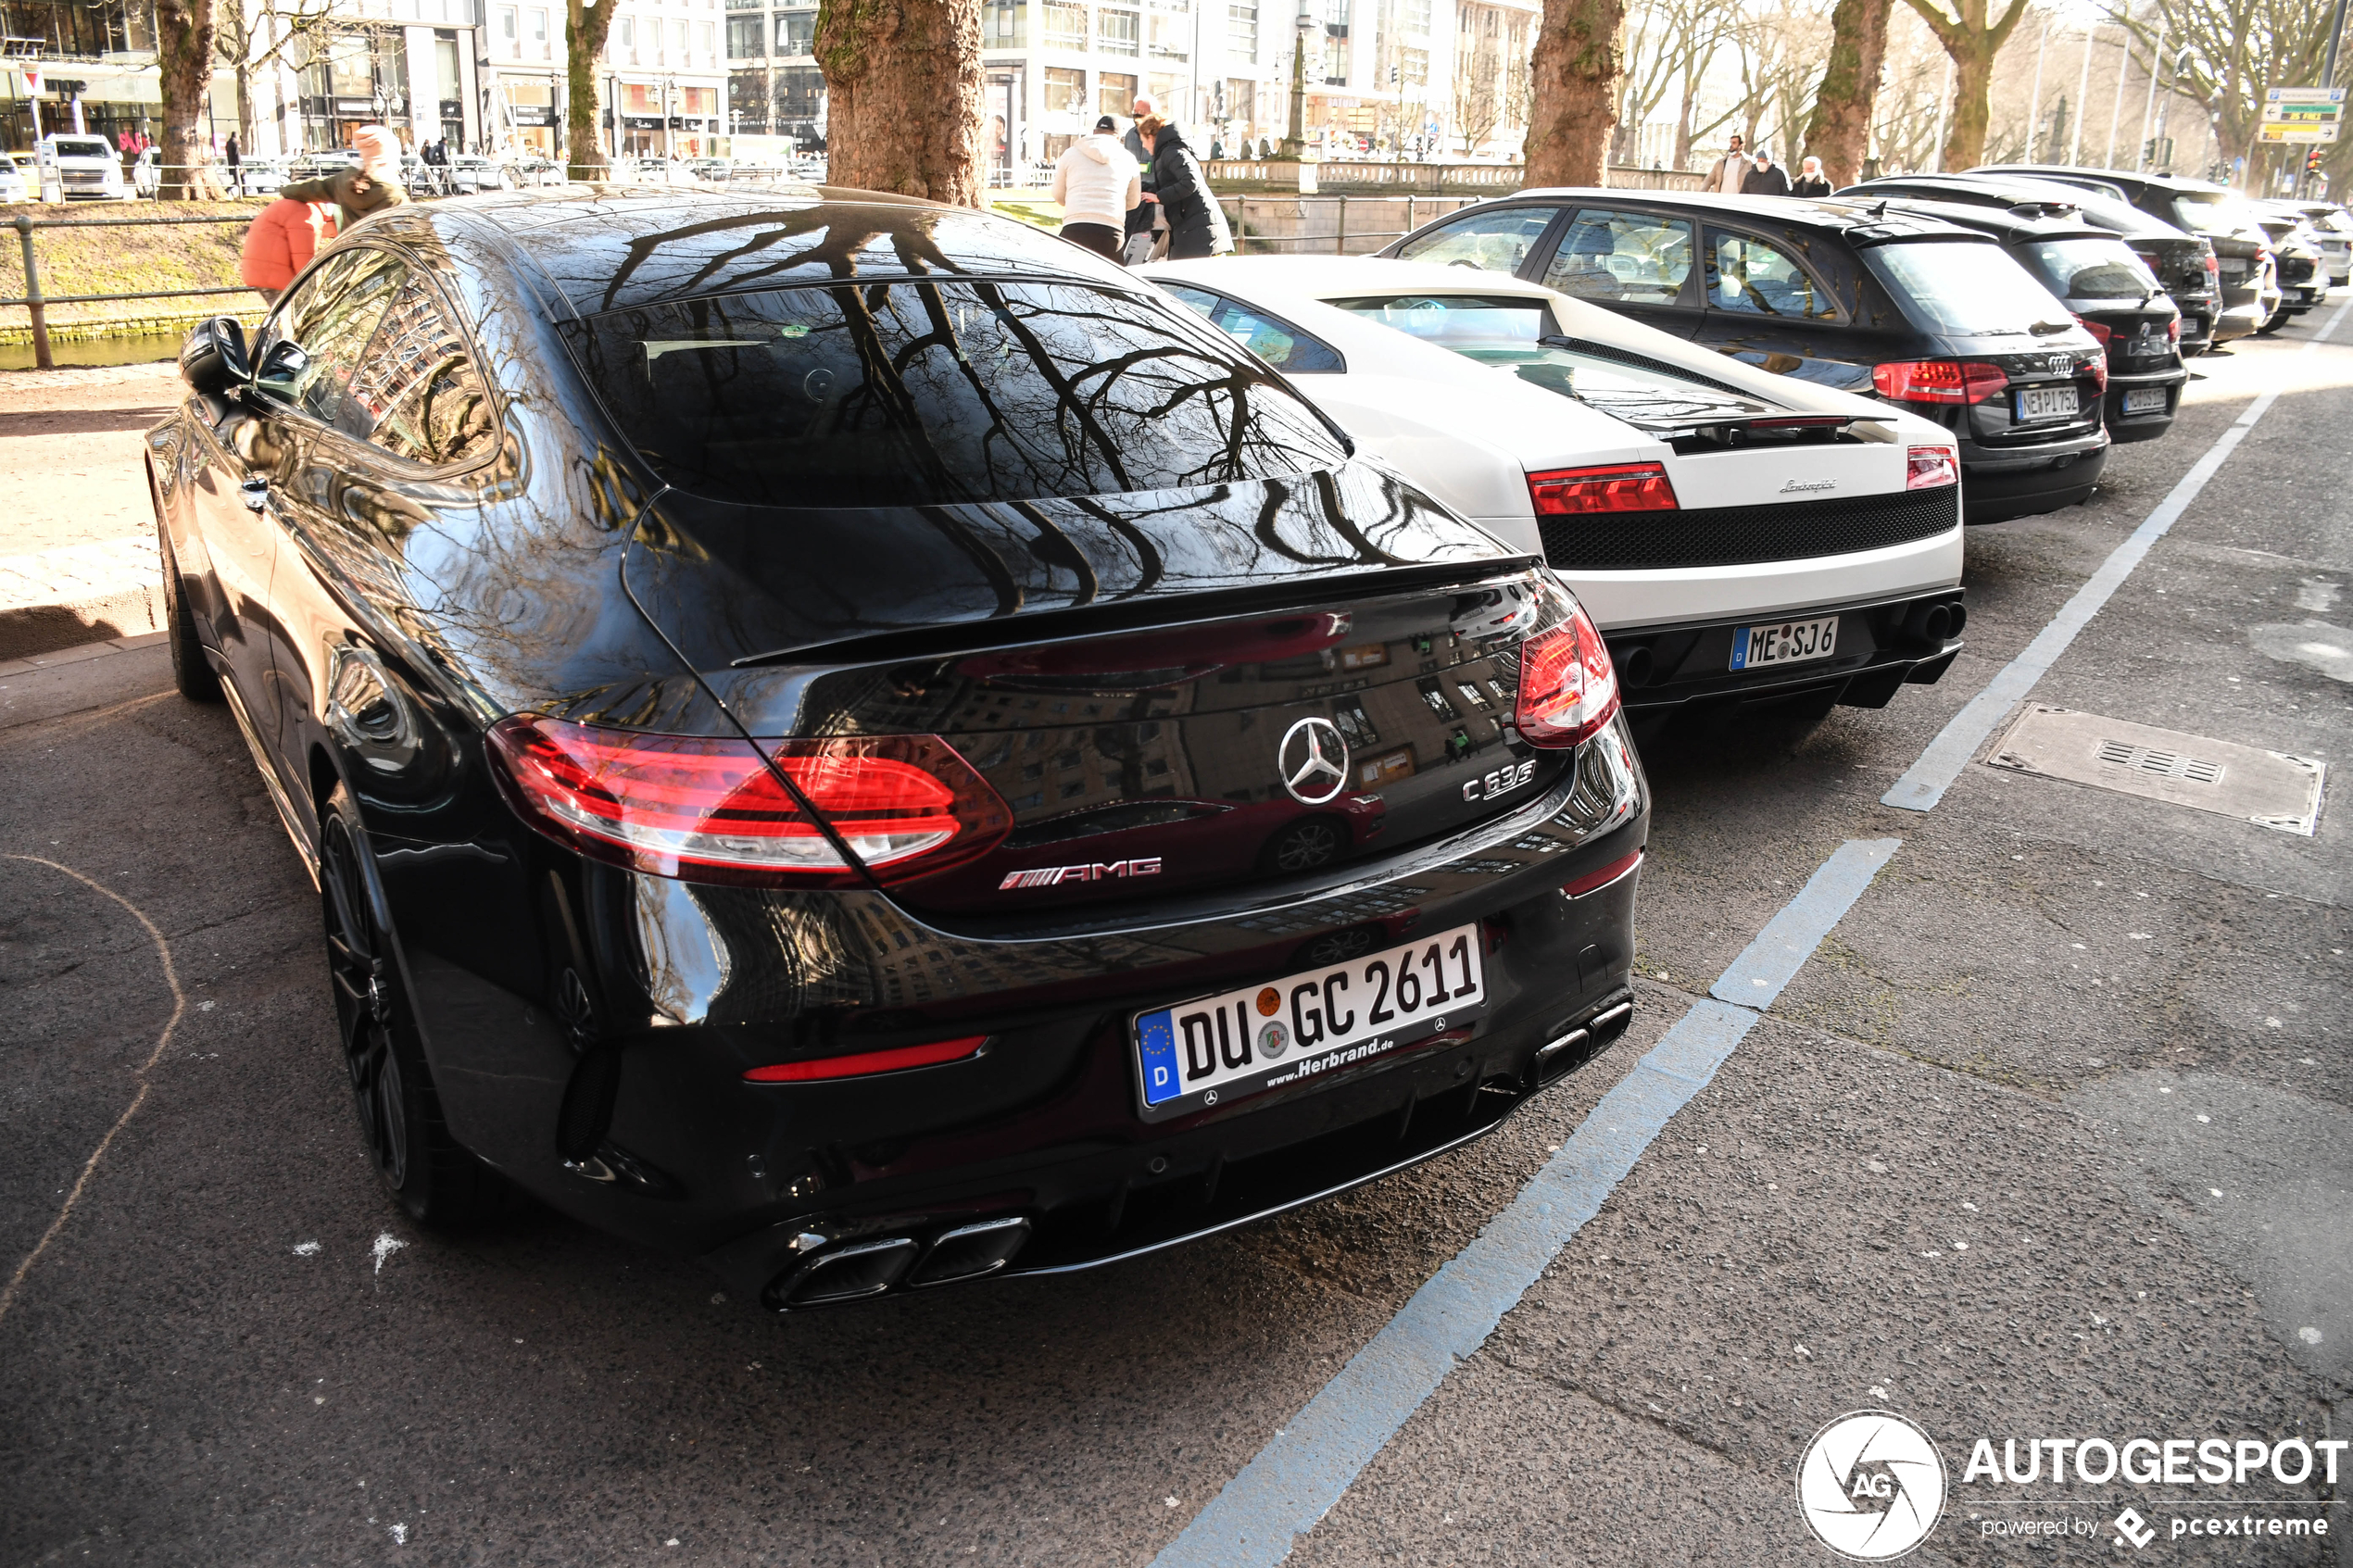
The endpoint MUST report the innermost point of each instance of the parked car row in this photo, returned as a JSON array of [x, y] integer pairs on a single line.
[[861, 743]]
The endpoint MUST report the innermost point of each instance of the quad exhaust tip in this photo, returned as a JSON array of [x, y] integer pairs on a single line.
[[870, 1267]]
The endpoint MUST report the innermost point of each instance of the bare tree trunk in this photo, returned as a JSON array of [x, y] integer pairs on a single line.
[[184, 36], [1575, 71], [1972, 107], [585, 30], [1840, 129], [1974, 41], [905, 105], [1683, 126]]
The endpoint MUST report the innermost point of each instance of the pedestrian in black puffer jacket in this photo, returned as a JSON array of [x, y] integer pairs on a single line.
[[1196, 229]]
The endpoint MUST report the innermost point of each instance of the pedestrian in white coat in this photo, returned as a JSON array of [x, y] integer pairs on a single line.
[[1098, 184]]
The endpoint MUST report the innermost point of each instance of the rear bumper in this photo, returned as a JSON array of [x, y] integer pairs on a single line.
[[1998, 484], [2150, 424], [1042, 1127], [1882, 646]]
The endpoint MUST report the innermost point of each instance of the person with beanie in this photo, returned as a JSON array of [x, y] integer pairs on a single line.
[[280, 244], [1098, 184], [372, 187], [1766, 179]]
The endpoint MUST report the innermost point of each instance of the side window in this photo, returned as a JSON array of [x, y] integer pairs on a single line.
[[1495, 241], [419, 394], [337, 338], [1752, 278], [1626, 258], [1280, 344], [300, 311]]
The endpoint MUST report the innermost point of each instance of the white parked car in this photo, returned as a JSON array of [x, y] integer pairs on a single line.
[[88, 167], [1735, 535], [16, 184]]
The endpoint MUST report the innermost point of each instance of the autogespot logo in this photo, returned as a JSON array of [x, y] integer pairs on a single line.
[[1872, 1485]]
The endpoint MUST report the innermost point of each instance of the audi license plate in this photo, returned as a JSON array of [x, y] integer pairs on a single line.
[[1792, 642], [2145, 399], [1216, 1049], [2039, 403]]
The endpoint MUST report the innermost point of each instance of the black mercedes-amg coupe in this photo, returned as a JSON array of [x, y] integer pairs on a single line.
[[843, 737]]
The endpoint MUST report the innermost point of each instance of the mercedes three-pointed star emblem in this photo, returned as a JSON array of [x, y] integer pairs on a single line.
[[1314, 759]]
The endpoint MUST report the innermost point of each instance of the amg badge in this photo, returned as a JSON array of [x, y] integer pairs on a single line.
[[1052, 876]]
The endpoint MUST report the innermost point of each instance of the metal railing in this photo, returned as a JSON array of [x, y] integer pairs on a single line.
[[1417, 206], [36, 304]]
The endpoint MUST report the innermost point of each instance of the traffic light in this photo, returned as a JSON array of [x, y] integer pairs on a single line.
[[2312, 161]]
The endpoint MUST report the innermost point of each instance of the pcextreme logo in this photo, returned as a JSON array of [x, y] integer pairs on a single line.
[[1872, 1485]]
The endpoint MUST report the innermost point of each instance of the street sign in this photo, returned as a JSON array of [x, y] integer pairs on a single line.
[[2301, 114]]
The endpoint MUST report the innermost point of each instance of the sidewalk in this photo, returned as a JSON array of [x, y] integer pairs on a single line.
[[78, 561]]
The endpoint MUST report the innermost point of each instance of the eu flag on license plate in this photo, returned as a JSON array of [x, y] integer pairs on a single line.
[[1156, 1045]]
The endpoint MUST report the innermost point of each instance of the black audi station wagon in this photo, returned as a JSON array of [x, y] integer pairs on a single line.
[[845, 738], [1855, 297]]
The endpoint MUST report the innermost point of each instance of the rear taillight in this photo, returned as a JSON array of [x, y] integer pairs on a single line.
[[2100, 333], [1616, 487], [1927, 467], [2173, 332], [1567, 688], [2097, 369], [1939, 381], [711, 808]]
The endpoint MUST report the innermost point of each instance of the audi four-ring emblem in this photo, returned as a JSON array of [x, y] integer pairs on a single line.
[[1313, 761]]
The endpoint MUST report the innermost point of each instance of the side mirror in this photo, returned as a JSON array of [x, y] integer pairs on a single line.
[[282, 366], [213, 359]]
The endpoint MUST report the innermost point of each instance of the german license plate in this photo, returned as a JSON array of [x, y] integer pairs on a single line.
[[1217, 1049], [2145, 399], [1792, 642], [2038, 403]]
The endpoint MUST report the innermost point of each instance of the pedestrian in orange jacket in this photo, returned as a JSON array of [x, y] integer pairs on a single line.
[[280, 244]]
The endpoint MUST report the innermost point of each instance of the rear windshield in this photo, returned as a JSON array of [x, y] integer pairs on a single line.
[[1964, 290], [1505, 332], [2212, 212], [82, 146], [920, 394], [2090, 269], [1492, 328]]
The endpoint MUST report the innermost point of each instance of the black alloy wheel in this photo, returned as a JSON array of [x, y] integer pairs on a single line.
[[437, 1181]]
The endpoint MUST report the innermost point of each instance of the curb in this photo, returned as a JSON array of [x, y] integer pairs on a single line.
[[81, 593]]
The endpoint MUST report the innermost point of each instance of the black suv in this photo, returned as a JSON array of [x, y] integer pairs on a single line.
[[2248, 275], [1910, 308], [2105, 286], [2183, 262]]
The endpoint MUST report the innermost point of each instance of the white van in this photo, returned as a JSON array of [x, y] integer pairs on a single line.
[[87, 168]]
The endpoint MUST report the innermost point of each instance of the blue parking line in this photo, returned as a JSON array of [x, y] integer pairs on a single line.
[[1924, 783], [1312, 1462], [1771, 962]]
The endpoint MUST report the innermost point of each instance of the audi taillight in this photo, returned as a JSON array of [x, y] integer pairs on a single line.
[[715, 809], [1939, 381], [1614, 487], [2099, 330], [2099, 368], [2173, 332], [1567, 688], [1927, 467]]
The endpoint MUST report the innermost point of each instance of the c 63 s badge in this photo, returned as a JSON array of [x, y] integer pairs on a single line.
[[1054, 876], [1508, 777]]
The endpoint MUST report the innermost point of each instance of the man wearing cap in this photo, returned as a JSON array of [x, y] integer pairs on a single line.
[[1098, 184]]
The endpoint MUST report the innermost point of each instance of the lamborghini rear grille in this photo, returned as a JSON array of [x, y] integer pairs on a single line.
[[1732, 535]]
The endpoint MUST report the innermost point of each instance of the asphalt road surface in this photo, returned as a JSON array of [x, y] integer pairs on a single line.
[[2051, 1137]]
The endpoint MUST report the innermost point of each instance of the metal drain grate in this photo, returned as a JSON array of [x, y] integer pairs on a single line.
[[2164, 764], [2271, 789]]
